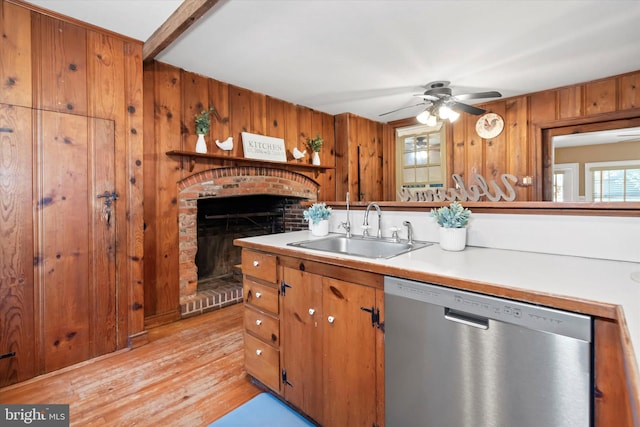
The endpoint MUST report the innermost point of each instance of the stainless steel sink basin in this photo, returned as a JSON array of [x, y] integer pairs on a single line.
[[360, 246]]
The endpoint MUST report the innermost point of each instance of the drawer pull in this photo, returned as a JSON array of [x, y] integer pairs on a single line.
[[331, 319], [259, 352], [256, 263], [258, 294], [311, 311], [258, 322]]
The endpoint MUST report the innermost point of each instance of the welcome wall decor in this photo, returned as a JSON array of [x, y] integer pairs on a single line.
[[491, 191], [262, 147]]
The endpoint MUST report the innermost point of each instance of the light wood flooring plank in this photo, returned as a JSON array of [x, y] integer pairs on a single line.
[[190, 374]]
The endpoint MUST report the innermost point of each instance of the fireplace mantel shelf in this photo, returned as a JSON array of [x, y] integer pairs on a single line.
[[193, 156]]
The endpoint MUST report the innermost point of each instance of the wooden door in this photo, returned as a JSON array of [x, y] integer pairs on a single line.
[[17, 344], [302, 341], [75, 247], [349, 354]]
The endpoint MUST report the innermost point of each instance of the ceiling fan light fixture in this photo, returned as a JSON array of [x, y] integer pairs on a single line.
[[424, 117], [444, 112], [453, 116], [432, 120]]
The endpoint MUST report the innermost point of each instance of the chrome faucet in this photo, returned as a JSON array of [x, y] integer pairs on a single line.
[[365, 224], [409, 232], [347, 224]]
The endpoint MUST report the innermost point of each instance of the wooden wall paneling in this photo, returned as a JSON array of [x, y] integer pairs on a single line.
[[305, 131], [457, 150], [62, 259], [61, 78], [342, 147], [329, 157], [195, 99], [290, 134], [164, 285], [239, 116], [389, 162], [17, 329], [219, 99], [315, 129], [368, 158], [517, 144], [130, 282], [103, 295], [542, 108], [495, 149], [15, 55], [629, 87], [275, 124], [601, 96], [570, 101], [150, 153], [474, 151], [258, 113]]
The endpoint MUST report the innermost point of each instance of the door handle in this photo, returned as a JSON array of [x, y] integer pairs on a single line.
[[466, 319]]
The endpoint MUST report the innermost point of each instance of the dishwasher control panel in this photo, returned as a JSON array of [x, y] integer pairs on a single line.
[[524, 314]]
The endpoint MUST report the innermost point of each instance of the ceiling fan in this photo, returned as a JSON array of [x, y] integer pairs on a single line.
[[440, 102]]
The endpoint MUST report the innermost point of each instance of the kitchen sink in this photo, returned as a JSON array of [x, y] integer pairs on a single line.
[[361, 246]]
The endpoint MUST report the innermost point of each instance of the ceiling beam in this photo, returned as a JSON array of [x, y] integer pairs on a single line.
[[184, 16]]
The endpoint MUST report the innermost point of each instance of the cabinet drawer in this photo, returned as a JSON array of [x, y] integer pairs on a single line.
[[260, 296], [263, 326], [262, 361], [260, 265]]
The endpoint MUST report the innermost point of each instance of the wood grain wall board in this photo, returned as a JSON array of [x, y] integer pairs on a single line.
[[164, 279], [276, 123], [15, 55], [342, 158], [601, 96], [219, 99], [61, 77], [105, 77], [239, 116], [518, 153], [629, 88], [328, 183], [130, 265], [304, 130], [290, 135], [389, 162], [149, 189], [17, 329], [474, 151], [259, 113], [103, 296], [457, 150], [495, 149], [570, 101], [542, 108], [62, 252], [195, 99]]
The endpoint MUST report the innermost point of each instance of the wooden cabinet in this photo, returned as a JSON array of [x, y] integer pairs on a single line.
[[261, 319]]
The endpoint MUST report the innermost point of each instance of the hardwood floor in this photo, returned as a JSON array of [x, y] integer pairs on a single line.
[[190, 374]]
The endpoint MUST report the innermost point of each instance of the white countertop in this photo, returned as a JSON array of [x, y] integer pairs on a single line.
[[612, 282]]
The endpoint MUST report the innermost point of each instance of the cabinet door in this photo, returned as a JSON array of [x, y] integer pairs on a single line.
[[302, 341], [349, 354]]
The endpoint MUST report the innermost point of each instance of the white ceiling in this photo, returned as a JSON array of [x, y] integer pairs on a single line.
[[370, 56]]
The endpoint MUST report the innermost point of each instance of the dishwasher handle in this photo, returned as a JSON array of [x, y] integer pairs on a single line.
[[466, 318]]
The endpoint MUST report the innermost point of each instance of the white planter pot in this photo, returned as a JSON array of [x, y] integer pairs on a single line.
[[453, 239], [201, 144], [321, 228], [316, 158]]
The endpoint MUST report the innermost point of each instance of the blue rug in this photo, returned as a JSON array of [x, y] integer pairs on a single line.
[[264, 410]]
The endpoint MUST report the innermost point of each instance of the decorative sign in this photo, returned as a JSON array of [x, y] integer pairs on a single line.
[[491, 191], [262, 147]]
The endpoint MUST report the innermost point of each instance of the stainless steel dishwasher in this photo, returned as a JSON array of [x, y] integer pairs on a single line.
[[461, 359]]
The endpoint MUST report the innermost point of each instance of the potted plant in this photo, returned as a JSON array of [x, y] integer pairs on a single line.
[[314, 145], [203, 124], [318, 217], [453, 220]]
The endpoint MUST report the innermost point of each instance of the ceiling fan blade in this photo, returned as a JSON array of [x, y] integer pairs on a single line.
[[403, 108], [459, 106], [478, 95], [428, 97]]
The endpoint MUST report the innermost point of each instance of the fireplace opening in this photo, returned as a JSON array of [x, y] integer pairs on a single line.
[[221, 220]]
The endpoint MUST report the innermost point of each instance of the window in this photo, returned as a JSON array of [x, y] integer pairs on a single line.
[[420, 156], [613, 181], [565, 182]]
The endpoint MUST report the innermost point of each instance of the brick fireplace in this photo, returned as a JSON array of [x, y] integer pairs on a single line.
[[226, 185]]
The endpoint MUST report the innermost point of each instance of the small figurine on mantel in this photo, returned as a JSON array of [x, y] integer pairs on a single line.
[[297, 154], [225, 145]]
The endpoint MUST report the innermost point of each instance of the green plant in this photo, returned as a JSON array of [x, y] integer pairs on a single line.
[[203, 122], [315, 144], [452, 216], [316, 213]]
